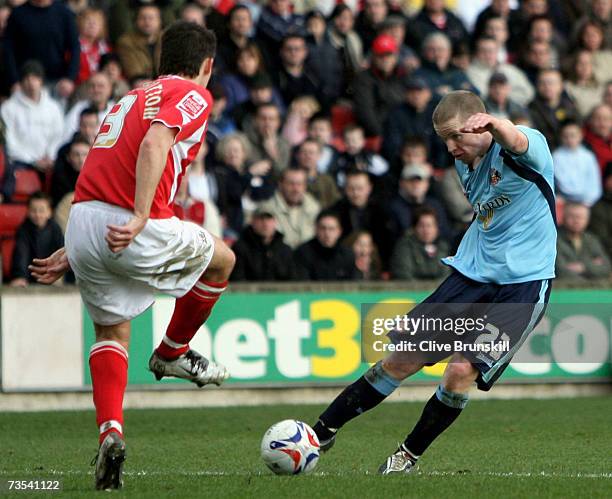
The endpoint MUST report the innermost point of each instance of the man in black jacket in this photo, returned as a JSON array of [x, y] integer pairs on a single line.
[[261, 254], [323, 258]]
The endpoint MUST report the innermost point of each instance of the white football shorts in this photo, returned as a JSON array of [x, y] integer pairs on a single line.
[[168, 256]]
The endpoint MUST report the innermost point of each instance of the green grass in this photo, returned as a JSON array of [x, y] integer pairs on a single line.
[[517, 448]]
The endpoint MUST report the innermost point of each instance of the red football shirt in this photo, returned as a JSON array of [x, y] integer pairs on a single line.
[[109, 172]]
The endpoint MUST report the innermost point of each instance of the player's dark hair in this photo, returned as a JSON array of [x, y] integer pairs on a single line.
[[422, 212], [328, 214], [184, 47], [39, 195]]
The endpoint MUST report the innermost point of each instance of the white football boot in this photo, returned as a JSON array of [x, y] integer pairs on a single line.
[[190, 366], [400, 462]]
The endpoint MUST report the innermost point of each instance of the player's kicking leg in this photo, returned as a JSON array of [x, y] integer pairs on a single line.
[[173, 357], [439, 413], [367, 392], [377, 384], [108, 363]]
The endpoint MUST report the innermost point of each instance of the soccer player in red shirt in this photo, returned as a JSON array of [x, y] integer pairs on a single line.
[[124, 244]]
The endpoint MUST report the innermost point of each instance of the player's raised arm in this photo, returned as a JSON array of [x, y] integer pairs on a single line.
[[150, 165], [504, 132]]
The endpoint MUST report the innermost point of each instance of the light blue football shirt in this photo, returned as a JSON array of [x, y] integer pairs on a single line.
[[513, 238]]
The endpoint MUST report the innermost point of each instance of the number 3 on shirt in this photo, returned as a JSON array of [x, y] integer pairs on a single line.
[[113, 123]]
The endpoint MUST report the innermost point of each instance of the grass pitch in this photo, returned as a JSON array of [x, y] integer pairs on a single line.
[[517, 448]]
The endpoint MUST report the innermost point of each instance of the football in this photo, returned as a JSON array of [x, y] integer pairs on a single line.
[[290, 447]]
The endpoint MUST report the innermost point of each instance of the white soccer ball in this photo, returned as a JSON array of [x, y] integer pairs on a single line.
[[290, 447]]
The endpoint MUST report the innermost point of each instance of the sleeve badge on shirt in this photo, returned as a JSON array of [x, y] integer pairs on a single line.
[[494, 176], [191, 106]]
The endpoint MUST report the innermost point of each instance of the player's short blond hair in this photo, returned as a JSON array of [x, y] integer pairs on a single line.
[[460, 104]]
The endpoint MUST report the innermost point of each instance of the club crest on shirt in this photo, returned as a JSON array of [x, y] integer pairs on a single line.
[[191, 106], [494, 176]]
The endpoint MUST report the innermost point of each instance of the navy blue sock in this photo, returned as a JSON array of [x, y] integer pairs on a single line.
[[439, 413], [364, 394]]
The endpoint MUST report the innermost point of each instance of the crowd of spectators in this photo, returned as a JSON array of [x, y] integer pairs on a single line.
[[320, 161]]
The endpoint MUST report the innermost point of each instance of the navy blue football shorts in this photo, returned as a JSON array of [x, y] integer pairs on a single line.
[[506, 314]]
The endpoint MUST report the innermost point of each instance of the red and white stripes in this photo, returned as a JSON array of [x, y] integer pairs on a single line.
[[208, 290], [108, 346]]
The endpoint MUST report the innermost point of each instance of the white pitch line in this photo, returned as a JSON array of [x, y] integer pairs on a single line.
[[204, 473]]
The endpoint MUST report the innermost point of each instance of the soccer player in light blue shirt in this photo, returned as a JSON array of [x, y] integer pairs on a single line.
[[506, 259]]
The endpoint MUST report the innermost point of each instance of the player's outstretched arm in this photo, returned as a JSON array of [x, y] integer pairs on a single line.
[[50, 269], [504, 132], [149, 168]]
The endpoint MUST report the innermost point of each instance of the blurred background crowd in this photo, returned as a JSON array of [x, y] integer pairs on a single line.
[[320, 161]]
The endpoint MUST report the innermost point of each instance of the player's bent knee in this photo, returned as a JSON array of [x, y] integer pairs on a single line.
[[459, 376], [400, 369], [222, 263]]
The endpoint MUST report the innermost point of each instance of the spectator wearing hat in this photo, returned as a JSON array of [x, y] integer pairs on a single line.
[[436, 69], [580, 255], [598, 134], [261, 254], [139, 49], [413, 118], [34, 123], [293, 207], [498, 101], [395, 25], [276, 21], [370, 19], [417, 254], [577, 175], [295, 77], [265, 139], [46, 31], [485, 64], [601, 221], [435, 18], [238, 36], [323, 258], [413, 193], [320, 185], [379, 88]]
